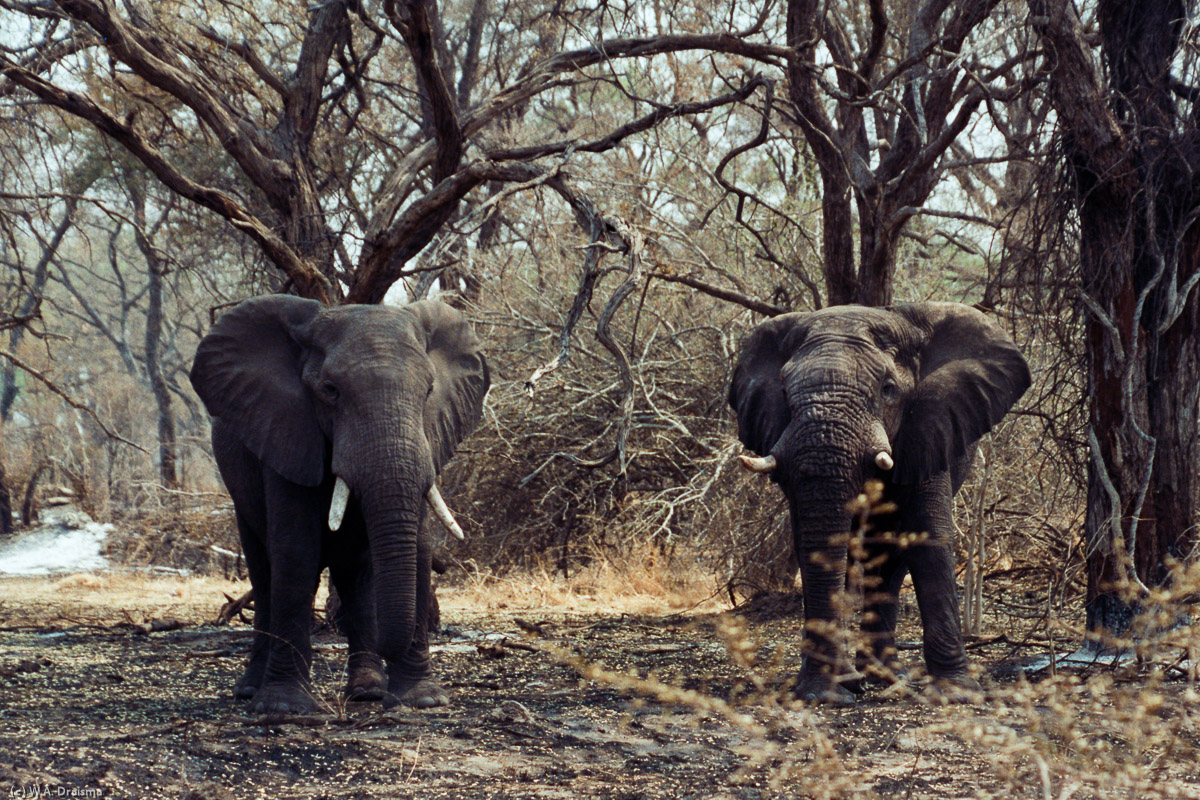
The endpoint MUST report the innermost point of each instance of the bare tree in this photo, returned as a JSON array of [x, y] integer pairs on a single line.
[[880, 102], [299, 118], [1128, 134]]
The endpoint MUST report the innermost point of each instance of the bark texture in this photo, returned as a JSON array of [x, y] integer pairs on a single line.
[[1131, 145]]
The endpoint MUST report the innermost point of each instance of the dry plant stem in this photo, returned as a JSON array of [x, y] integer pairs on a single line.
[[73, 403]]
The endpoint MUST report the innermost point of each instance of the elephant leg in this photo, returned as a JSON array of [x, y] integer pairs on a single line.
[[877, 653], [243, 475], [410, 679], [351, 574], [932, 567], [825, 669], [259, 568], [884, 577], [294, 549], [931, 564]]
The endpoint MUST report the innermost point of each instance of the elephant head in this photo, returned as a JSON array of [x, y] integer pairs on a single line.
[[832, 398], [374, 398], [905, 390]]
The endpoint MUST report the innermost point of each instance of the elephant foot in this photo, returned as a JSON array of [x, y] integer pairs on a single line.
[[883, 673], [416, 693], [958, 688], [247, 685], [823, 690], [245, 690], [366, 682], [283, 699]]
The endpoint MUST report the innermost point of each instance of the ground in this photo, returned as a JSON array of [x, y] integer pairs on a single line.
[[123, 686]]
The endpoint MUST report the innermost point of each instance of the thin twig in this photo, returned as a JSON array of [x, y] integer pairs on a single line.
[[75, 404]]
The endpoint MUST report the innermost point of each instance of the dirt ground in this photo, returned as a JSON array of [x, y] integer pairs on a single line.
[[94, 697]]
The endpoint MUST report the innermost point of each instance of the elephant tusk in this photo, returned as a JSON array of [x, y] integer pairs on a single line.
[[883, 460], [757, 464], [442, 511], [337, 508]]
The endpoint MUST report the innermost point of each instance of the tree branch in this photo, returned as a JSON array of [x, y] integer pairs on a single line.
[[412, 20], [301, 273], [629, 129], [75, 404]]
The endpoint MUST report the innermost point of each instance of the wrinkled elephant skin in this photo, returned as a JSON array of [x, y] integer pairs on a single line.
[[834, 398], [330, 426]]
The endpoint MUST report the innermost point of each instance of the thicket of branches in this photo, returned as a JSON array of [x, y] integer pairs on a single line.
[[615, 195]]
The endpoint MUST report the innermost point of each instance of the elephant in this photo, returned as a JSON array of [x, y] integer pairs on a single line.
[[329, 428], [834, 398]]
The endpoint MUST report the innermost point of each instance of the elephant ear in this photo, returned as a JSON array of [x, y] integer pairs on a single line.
[[247, 372], [460, 376], [970, 374], [756, 392]]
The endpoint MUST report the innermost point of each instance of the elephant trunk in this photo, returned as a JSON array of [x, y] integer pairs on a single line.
[[393, 515], [821, 530], [824, 458], [389, 473]]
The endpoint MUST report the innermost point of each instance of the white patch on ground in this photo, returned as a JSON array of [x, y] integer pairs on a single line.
[[67, 540], [1080, 658], [468, 641]]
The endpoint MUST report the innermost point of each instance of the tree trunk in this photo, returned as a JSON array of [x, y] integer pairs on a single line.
[[1136, 203], [155, 270], [29, 304], [29, 504], [6, 518], [158, 383]]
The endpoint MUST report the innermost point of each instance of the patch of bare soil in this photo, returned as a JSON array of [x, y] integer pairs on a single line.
[[113, 701]]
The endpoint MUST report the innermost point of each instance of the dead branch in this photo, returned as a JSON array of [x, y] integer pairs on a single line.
[[757, 306], [235, 607], [75, 404]]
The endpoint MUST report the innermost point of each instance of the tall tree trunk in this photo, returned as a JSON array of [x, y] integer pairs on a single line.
[[155, 271], [158, 384], [29, 304], [1131, 153], [1174, 395], [936, 106], [805, 19]]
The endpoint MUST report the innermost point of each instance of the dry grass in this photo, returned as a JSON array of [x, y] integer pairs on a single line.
[[101, 599], [648, 583]]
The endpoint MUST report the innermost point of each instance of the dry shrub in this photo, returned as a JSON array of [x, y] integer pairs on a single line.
[[197, 539], [540, 482], [1124, 730]]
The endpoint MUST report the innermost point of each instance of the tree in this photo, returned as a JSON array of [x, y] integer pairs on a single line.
[[311, 123], [1130, 139], [653, 150], [906, 83]]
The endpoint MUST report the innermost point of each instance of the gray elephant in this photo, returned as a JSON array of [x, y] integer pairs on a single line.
[[330, 426], [833, 398]]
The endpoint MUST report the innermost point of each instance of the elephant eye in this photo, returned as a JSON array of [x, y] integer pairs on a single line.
[[890, 390], [329, 392]]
